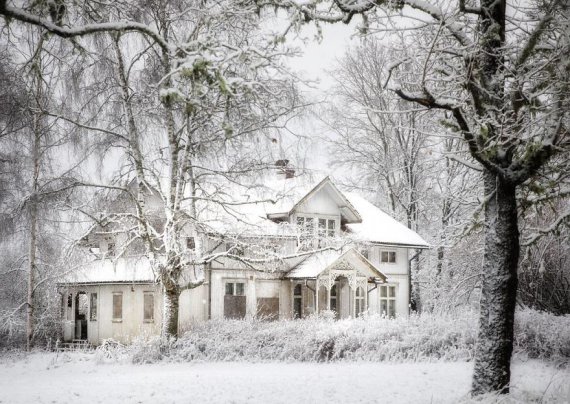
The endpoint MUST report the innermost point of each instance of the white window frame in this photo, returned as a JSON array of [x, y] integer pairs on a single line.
[[359, 301], [389, 252], [234, 287], [389, 298]]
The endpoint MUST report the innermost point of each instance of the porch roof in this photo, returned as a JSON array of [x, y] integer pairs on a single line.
[[314, 265]]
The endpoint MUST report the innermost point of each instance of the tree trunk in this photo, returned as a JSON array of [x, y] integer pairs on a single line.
[[170, 320], [499, 287]]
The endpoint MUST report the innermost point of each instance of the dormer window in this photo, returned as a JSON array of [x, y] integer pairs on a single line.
[[327, 227]]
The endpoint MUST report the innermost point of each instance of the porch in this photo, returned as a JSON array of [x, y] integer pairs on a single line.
[[333, 281]]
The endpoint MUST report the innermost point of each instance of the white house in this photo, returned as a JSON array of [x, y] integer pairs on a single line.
[[335, 251]]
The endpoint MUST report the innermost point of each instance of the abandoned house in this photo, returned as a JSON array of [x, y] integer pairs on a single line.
[[327, 250]]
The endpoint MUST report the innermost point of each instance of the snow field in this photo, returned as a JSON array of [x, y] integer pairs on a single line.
[[78, 377]]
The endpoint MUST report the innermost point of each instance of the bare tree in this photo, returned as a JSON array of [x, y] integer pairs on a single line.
[[500, 71]]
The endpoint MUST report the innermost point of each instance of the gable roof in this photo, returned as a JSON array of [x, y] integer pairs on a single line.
[[346, 208], [379, 227], [317, 263]]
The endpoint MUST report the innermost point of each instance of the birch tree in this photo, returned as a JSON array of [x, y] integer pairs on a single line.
[[210, 82]]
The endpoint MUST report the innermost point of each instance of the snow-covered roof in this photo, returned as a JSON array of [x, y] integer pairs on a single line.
[[136, 270], [379, 227], [279, 197], [319, 262]]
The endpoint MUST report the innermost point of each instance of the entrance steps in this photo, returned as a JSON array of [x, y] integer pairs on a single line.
[[74, 345]]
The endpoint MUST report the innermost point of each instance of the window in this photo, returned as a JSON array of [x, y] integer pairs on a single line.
[[111, 249], [314, 230], [118, 306], [148, 303], [235, 249], [388, 257], [388, 300], [298, 301], [93, 307], [359, 302], [331, 227], [333, 299], [190, 243], [235, 289]]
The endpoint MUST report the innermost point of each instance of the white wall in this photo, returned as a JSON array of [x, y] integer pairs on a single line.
[[131, 325]]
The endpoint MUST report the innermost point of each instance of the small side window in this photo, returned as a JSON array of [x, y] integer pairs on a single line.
[[118, 306], [148, 303], [93, 307]]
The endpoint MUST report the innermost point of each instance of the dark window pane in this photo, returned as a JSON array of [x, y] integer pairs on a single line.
[[229, 288], [117, 306], [297, 291], [93, 307], [148, 307], [240, 289]]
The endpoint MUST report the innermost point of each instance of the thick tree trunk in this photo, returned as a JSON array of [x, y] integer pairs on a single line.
[[499, 287], [170, 316]]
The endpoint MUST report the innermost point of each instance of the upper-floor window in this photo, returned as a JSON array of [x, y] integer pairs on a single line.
[[388, 257], [111, 249], [324, 227], [235, 249], [190, 243], [327, 227]]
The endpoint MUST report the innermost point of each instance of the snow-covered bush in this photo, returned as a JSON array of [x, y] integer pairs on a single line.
[[369, 338], [542, 335]]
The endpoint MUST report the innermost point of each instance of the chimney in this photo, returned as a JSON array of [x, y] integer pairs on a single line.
[[284, 169]]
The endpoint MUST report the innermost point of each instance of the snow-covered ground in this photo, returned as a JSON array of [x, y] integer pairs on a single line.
[[79, 378]]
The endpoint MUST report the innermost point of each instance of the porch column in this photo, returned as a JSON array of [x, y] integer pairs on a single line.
[[317, 297], [329, 298], [354, 301]]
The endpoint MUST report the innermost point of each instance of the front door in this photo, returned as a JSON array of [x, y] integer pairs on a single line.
[[81, 306]]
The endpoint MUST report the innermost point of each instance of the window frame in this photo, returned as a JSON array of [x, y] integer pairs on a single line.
[[93, 299], [389, 298], [111, 249], [391, 253], [298, 297], [145, 295], [316, 230], [190, 243], [114, 318], [359, 301], [234, 288]]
